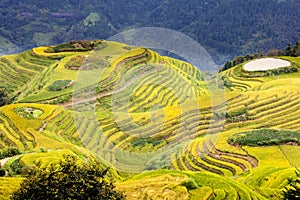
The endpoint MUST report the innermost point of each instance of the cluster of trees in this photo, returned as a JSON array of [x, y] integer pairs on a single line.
[[68, 180], [73, 180], [290, 50], [240, 59]]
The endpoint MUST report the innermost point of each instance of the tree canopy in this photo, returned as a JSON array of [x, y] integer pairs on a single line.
[[70, 179]]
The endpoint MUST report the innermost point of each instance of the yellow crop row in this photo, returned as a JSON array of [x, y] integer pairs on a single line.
[[45, 158], [40, 51], [13, 139], [8, 185]]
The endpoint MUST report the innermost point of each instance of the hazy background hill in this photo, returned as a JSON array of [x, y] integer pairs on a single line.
[[225, 27]]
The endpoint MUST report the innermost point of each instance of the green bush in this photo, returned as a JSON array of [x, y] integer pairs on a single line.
[[8, 152], [16, 167], [265, 137], [59, 85], [190, 184]]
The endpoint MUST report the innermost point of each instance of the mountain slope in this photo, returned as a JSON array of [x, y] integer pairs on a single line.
[[137, 111], [225, 28]]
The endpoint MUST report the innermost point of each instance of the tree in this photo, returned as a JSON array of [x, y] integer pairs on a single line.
[[296, 49], [288, 50], [67, 180], [292, 191], [3, 96]]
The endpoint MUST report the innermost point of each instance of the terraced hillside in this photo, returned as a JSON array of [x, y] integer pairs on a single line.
[[136, 111]]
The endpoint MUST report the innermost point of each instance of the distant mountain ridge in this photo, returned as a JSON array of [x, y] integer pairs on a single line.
[[225, 28]]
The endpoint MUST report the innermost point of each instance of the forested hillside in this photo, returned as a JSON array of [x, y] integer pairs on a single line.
[[225, 27]]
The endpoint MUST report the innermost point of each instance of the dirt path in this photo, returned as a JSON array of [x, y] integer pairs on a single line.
[[4, 161]]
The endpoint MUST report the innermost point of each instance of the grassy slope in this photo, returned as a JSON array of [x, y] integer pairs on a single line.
[[270, 102]]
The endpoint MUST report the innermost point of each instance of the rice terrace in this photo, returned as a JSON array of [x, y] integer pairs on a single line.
[[165, 129]]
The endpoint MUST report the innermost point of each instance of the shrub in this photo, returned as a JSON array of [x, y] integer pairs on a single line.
[[73, 46], [8, 152], [59, 85], [190, 184], [264, 137]]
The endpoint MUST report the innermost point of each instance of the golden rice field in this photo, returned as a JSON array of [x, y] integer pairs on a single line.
[[161, 124]]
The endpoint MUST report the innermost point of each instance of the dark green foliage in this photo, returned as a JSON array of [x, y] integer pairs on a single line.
[[4, 99], [272, 72], [238, 115], [289, 50], [59, 85], [265, 137], [80, 45], [292, 191], [68, 180], [227, 65], [190, 184], [239, 60], [2, 172], [283, 70], [16, 168], [296, 49], [8, 152], [227, 27]]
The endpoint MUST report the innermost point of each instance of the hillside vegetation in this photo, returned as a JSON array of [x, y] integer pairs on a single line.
[[165, 129], [226, 28]]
